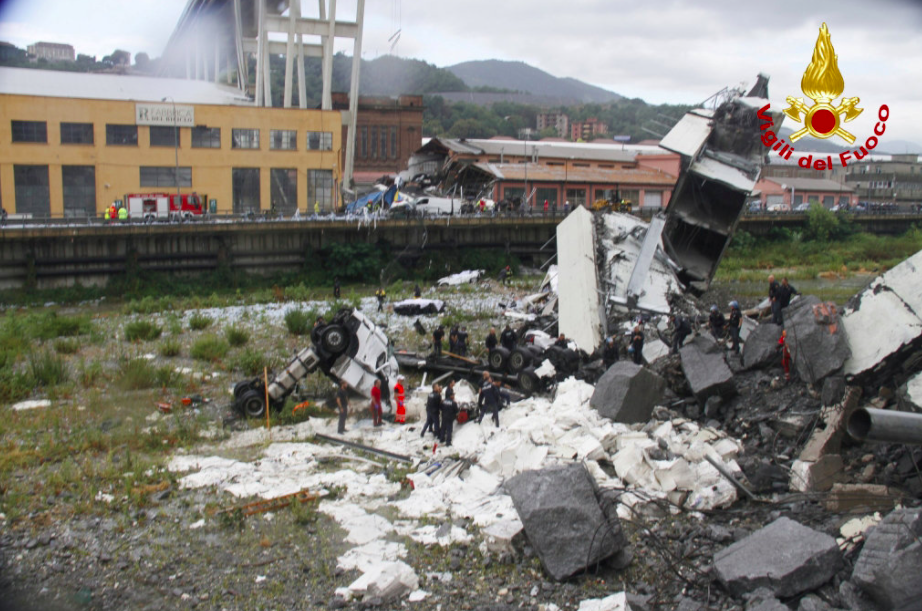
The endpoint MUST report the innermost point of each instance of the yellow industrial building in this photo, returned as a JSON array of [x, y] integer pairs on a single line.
[[72, 143]]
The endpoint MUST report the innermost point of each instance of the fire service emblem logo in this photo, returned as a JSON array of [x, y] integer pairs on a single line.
[[822, 83]]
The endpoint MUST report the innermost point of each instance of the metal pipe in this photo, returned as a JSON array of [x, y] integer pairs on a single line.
[[869, 424]]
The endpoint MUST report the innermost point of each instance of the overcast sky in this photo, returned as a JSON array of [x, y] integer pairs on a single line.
[[662, 51]]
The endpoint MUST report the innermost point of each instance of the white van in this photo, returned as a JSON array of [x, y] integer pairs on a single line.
[[435, 206]]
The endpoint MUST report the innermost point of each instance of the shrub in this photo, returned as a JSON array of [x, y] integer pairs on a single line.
[[136, 374], [89, 374], [298, 322], [50, 326], [236, 336], [66, 346], [46, 369], [250, 362], [170, 347], [209, 348], [14, 385], [199, 321], [142, 330]]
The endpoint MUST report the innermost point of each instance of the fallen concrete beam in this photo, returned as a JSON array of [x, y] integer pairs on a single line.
[[580, 314], [785, 557]]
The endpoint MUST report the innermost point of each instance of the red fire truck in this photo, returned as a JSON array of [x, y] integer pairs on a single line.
[[151, 207]]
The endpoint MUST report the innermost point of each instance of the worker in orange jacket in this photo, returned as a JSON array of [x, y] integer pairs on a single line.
[[401, 415]]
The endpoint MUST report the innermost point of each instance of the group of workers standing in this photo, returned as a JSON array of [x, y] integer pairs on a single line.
[[114, 212]]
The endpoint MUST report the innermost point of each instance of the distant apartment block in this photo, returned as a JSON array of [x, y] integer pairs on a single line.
[[588, 129], [557, 120], [52, 51]]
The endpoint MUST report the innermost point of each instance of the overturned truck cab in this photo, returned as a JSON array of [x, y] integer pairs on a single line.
[[349, 348]]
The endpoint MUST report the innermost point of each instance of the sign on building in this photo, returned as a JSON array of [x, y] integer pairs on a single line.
[[164, 114]]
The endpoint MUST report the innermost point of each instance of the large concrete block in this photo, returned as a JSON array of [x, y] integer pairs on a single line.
[[785, 556], [910, 394], [761, 348], [563, 520], [816, 476], [890, 562], [706, 369], [627, 393], [386, 580], [816, 338]]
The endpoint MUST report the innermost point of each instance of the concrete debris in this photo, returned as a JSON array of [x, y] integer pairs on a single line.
[[627, 393], [884, 322], [30, 404], [816, 338], [386, 581], [468, 276], [860, 498], [503, 537], [764, 599], [615, 602], [853, 531], [833, 389], [706, 369], [563, 519], [654, 350], [890, 562], [910, 394], [785, 557], [418, 306], [761, 348], [817, 476]]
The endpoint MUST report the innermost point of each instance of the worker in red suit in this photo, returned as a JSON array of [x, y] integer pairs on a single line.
[[785, 355], [401, 414], [376, 403]]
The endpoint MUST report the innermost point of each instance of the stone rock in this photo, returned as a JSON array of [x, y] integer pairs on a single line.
[[816, 338], [706, 369], [712, 406], [503, 537], [816, 476], [761, 348], [615, 602], [859, 498], [833, 389], [812, 602], [385, 581], [564, 522], [890, 562], [764, 599], [627, 393], [785, 557]]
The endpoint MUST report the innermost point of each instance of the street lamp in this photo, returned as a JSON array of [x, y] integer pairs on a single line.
[[176, 151]]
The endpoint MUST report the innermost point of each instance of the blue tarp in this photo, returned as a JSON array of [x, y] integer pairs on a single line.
[[384, 199]]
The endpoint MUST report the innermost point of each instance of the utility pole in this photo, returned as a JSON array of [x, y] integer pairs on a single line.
[[176, 151]]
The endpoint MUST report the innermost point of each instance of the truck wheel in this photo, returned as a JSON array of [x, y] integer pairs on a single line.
[[252, 404], [334, 339], [498, 359], [240, 388], [519, 359], [528, 381]]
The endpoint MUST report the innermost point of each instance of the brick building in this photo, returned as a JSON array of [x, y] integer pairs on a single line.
[[588, 129], [388, 130]]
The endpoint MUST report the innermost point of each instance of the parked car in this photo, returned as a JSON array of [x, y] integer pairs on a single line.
[[803, 207]]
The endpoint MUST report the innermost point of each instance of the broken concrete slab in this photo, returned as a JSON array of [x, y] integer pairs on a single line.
[[785, 556], [627, 393], [386, 581], [563, 520], [503, 536], [615, 602], [818, 476], [910, 394], [833, 389], [816, 338], [706, 369], [860, 498], [580, 316], [654, 350], [890, 562], [761, 348], [764, 599]]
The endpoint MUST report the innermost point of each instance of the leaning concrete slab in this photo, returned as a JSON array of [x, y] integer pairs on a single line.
[[890, 562], [761, 348], [816, 338], [579, 310], [706, 369], [785, 556], [563, 519], [627, 393]]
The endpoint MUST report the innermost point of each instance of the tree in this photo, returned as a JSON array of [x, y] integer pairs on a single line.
[[142, 61]]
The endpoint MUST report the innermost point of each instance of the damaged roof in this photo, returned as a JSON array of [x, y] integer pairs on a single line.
[[535, 172], [811, 184], [543, 149]]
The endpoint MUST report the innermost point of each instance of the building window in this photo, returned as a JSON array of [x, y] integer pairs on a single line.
[[77, 133], [383, 142], [206, 137], [121, 135], [514, 194], [576, 197], [246, 189], [829, 201], [843, 200], [165, 176], [283, 190], [363, 141], [29, 131], [320, 189], [374, 142], [543, 194], [164, 136], [283, 140], [320, 141], [79, 183], [393, 143], [31, 189], [245, 139]]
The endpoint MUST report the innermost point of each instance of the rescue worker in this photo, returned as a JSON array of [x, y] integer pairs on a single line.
[[453, 340], [336, 288], [462, 341], [400, 417], [735, 325], [380, 294], [775, 299], [433, 407], [319, 322], [562, 341], [316, 210], [342, 404], [488, 399], [716, 322], [508, 338], [636, 348], [449, 412], [610, 352], [113, 212], [376, 404], [681, 330], [105, 215], [785, 292], [785, 355], [123, 214], [417, 292], [437, 336], [450, 390], [491, 341], [505, 274]]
